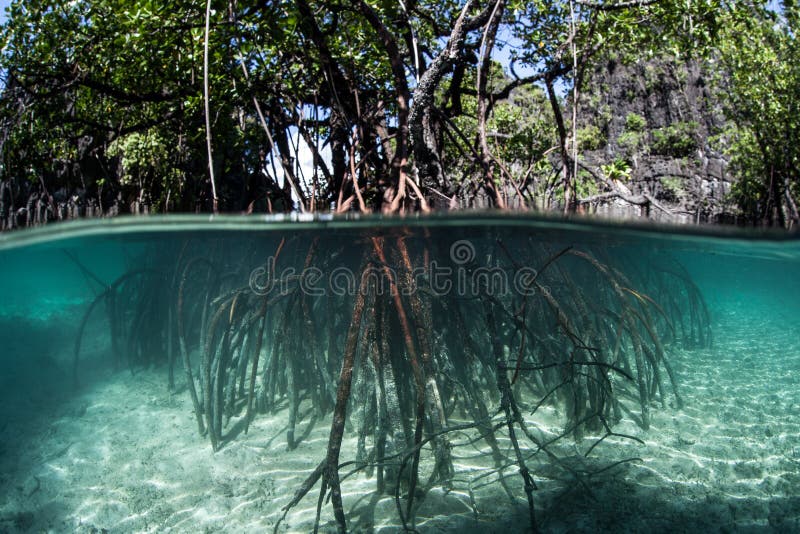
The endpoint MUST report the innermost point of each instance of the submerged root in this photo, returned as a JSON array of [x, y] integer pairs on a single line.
[[409, 370]]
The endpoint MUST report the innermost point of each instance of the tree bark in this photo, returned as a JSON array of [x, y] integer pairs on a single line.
[[426, 154], [487, 160]]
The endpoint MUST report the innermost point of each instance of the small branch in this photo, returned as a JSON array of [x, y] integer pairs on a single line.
[[618, 5], [207, 109]]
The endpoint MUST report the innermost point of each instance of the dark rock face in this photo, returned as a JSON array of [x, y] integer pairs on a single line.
[[656, 120]]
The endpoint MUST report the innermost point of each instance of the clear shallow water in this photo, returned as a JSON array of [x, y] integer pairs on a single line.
[[587, 321]]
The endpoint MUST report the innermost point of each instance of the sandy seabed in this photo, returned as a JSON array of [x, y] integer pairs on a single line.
[[125, 456]]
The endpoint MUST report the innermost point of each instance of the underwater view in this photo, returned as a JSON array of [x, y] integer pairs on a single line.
[[451, 373]]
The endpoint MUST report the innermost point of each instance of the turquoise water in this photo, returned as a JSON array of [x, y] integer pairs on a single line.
[[190, 374]]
